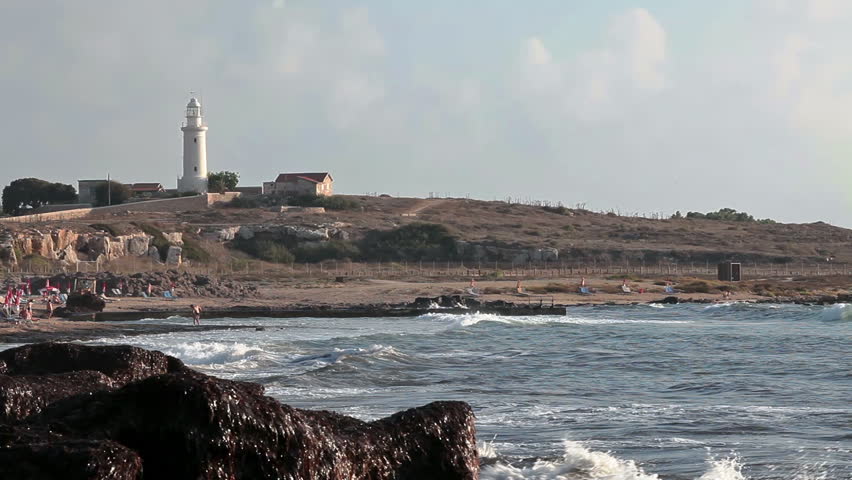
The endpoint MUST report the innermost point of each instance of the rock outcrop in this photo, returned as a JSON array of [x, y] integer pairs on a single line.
[[174, 255], [142, 414], [69, 246], [79, 303]]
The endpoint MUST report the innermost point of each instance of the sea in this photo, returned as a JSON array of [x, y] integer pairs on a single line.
[[725, 391]]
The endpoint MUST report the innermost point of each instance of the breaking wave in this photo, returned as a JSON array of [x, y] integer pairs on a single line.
[[340, 354], [211, 353], [836, 313], [471, 319], [577, 462], [581, 463]]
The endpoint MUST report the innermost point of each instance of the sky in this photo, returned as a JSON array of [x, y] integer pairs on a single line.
[[638, 107]]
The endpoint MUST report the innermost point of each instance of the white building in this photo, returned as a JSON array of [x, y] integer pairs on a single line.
[[194, 150]]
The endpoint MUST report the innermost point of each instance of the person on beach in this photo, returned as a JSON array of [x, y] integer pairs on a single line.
[[49, 308], [196, 314], [28, 311], [150, 289]]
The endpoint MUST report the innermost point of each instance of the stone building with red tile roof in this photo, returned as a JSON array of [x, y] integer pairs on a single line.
[[315, 183]]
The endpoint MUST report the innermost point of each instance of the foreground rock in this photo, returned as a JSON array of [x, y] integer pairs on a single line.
[[155, 416], [34, 376]]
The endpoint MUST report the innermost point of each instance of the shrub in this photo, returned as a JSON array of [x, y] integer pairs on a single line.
[[332, 250], [245, 202], [273, 252], [557, 209], [111, 193], [728, 215], [267, 250], [416, 241], [192, 249], [334, 202]]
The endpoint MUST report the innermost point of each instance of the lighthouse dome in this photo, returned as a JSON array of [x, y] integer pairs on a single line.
[[193, 102]]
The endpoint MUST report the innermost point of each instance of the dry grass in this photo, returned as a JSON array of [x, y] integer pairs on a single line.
[[581, 236]]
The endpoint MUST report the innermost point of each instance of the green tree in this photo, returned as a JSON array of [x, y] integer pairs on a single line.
[[111, 193], [221, 182], [33, 193]]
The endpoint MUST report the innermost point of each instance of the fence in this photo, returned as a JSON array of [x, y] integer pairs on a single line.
[[441, 270]]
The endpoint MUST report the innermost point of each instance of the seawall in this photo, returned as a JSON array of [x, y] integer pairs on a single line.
[[197, 202]]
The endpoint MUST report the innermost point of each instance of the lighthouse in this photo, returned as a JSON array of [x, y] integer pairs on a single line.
[[194, 150]]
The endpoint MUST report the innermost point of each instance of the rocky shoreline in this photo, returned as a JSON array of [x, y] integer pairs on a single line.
[[119, 412], [447, 304]]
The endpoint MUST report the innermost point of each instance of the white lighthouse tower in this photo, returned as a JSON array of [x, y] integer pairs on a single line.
[[194, 150]]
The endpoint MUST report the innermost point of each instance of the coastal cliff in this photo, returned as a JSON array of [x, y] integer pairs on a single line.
[[75, 411]]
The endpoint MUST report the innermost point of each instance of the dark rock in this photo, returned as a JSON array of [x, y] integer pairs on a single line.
[[25, 395], [34, 376], [422, 302], [78, 303], [668, 300], [450, 301], [67, 459], [122, 363], [184, 424]]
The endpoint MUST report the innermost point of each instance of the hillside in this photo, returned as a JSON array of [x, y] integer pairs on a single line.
[[479, 230]]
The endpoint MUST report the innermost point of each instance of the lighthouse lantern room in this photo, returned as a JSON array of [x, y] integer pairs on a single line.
[[194, 150]]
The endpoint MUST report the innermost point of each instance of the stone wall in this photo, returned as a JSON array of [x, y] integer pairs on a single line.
[[198, 202]]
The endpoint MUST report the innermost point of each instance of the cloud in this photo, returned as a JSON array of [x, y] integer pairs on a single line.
[[598, 83], [537, 53], [644, 41], [827, 10]]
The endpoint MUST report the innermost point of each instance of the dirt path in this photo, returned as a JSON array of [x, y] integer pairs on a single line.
[[425, 204]]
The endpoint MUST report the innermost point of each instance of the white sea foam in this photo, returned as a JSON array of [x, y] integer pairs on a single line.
[[470, 319], [339, 354], [211, 353], [714, 306], [465, 319], [486, 450], [580, 462], [576, 462], [725, 469], [836, 313]]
